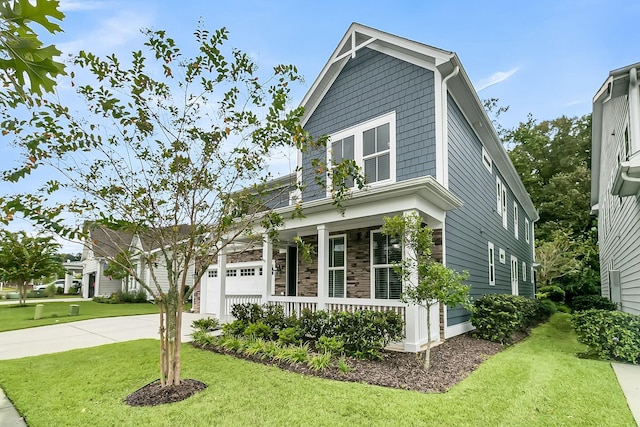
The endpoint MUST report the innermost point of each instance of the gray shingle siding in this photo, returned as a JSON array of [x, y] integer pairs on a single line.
[[469, 228], [370, 85]]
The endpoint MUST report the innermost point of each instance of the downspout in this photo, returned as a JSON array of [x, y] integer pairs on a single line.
[[634, 111]]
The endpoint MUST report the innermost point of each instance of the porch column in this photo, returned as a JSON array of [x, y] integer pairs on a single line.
[[323, 265], [222, 277], [412, 312], [267, 268]]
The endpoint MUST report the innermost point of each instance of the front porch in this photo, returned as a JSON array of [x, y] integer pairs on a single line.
[[351, 267]]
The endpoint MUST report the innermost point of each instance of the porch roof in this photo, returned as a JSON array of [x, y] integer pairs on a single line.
[[367, 207]]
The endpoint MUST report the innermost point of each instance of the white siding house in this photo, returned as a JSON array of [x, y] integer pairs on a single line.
[[615, 185]]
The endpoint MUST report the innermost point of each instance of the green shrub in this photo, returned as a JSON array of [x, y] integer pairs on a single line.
[[35, 294], [553, 293], [203, 338], [497, 317], [330, 345], [258, 330], [121, 297], [59, 291], [319, 362], [291, 335], [545, 308], [205, 324], [235, 328], [596, 302], [248, 313], [50, 290], [315, 324], [343, 366], [609, 334]]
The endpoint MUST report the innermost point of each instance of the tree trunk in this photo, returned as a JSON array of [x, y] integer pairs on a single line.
[[427, 353]]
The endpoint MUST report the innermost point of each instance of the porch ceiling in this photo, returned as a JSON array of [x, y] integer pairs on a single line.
[[367, 208]]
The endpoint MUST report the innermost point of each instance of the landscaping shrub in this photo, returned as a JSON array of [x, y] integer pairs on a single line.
[[545, 308], [609, 334], [235, 328], [497, 317], [315, 324], [596, 302], [330, 345], [258, 330], [247, 313], [121, 297], [290, 335], [205, 324], [553, 293], [50, 290]]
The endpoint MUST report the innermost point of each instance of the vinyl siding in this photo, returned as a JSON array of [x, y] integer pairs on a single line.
[[370, 85], [469, 228], [619, 218]]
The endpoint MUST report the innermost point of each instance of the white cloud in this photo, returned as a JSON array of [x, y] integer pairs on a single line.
[[496, 78], [111, 33]]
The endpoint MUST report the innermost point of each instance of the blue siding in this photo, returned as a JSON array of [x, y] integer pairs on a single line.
[[370, 85], [469, 229]]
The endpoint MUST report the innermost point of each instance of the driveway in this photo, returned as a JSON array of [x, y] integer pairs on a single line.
[[85, 333]]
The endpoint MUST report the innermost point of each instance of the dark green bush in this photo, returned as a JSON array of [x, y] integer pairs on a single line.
[[497, 317], [235, 328], [596, 302], [545, 308], [609, 334], [330, 345], [248, 313], [258, 330], [553, 293], [290, 335], [315, 324], [35, 294], [59, 291]]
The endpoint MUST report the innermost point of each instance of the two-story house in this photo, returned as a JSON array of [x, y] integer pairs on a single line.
[[615, 185], [409, 116]]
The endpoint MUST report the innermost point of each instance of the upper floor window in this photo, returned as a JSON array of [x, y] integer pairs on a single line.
[[516, 221], [372, 145], [527, 230], [486, 160]]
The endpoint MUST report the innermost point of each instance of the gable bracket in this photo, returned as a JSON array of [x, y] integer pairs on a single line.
[[354, 48]]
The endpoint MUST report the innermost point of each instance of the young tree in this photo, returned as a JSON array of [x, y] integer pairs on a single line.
[[176, 151], [558, 257], [427, 282], [24, 259]]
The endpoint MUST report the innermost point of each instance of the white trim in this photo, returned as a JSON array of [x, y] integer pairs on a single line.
[[527, 230], [372, 267], [343, 268], [498, 196], [524, 272], [503, 199], [516, 219], [514, 275], [491, 252], [357, 132], [460, 328]]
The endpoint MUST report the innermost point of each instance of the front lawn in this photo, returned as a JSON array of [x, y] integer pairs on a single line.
[[538, 382], [14, 317]]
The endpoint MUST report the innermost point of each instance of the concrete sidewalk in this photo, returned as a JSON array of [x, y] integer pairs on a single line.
[[41, 300], [70, 336], [629, 379]]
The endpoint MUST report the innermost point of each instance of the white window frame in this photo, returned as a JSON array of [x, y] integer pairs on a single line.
[[357, 132], [527, 231], [343, 268], [503, 201], [524, 271], [514, 275], [486, 160], [503, 256], [516, 220], [492, 264], [498, 196], [373, 266]]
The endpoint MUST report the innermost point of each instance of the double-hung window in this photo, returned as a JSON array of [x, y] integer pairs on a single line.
[[337, 258], [516, 220], [492, 265], [371, 145], [385, 250]]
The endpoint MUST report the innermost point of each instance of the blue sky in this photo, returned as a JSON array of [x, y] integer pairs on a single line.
[[547, 58]]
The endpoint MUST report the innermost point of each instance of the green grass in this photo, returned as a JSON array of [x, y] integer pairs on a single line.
[[14, 317], [538, 382]]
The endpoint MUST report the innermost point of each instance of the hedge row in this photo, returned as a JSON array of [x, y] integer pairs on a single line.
[[609, 334], [497, 317]]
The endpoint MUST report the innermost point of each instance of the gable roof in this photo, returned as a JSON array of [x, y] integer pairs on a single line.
[[106, 243], [446, 63], [616, 84]]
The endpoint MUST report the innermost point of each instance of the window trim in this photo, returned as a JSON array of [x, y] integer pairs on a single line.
[[527, 231], [492, 264], [373, 267], [503, 200], [516, 220], [486, 160], [503, 256], [498, 196], [343, 268], [358, 151], [524, 272], [514, 275]]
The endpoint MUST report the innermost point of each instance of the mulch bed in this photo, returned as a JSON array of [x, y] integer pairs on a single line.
[[451, 362]]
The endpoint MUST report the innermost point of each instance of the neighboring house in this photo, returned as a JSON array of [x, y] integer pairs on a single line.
[[102, 244], [407, 113], [615, 185]]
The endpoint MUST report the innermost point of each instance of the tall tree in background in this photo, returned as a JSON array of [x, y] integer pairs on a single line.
[[24, 259], [173, 149], [553, 159]]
